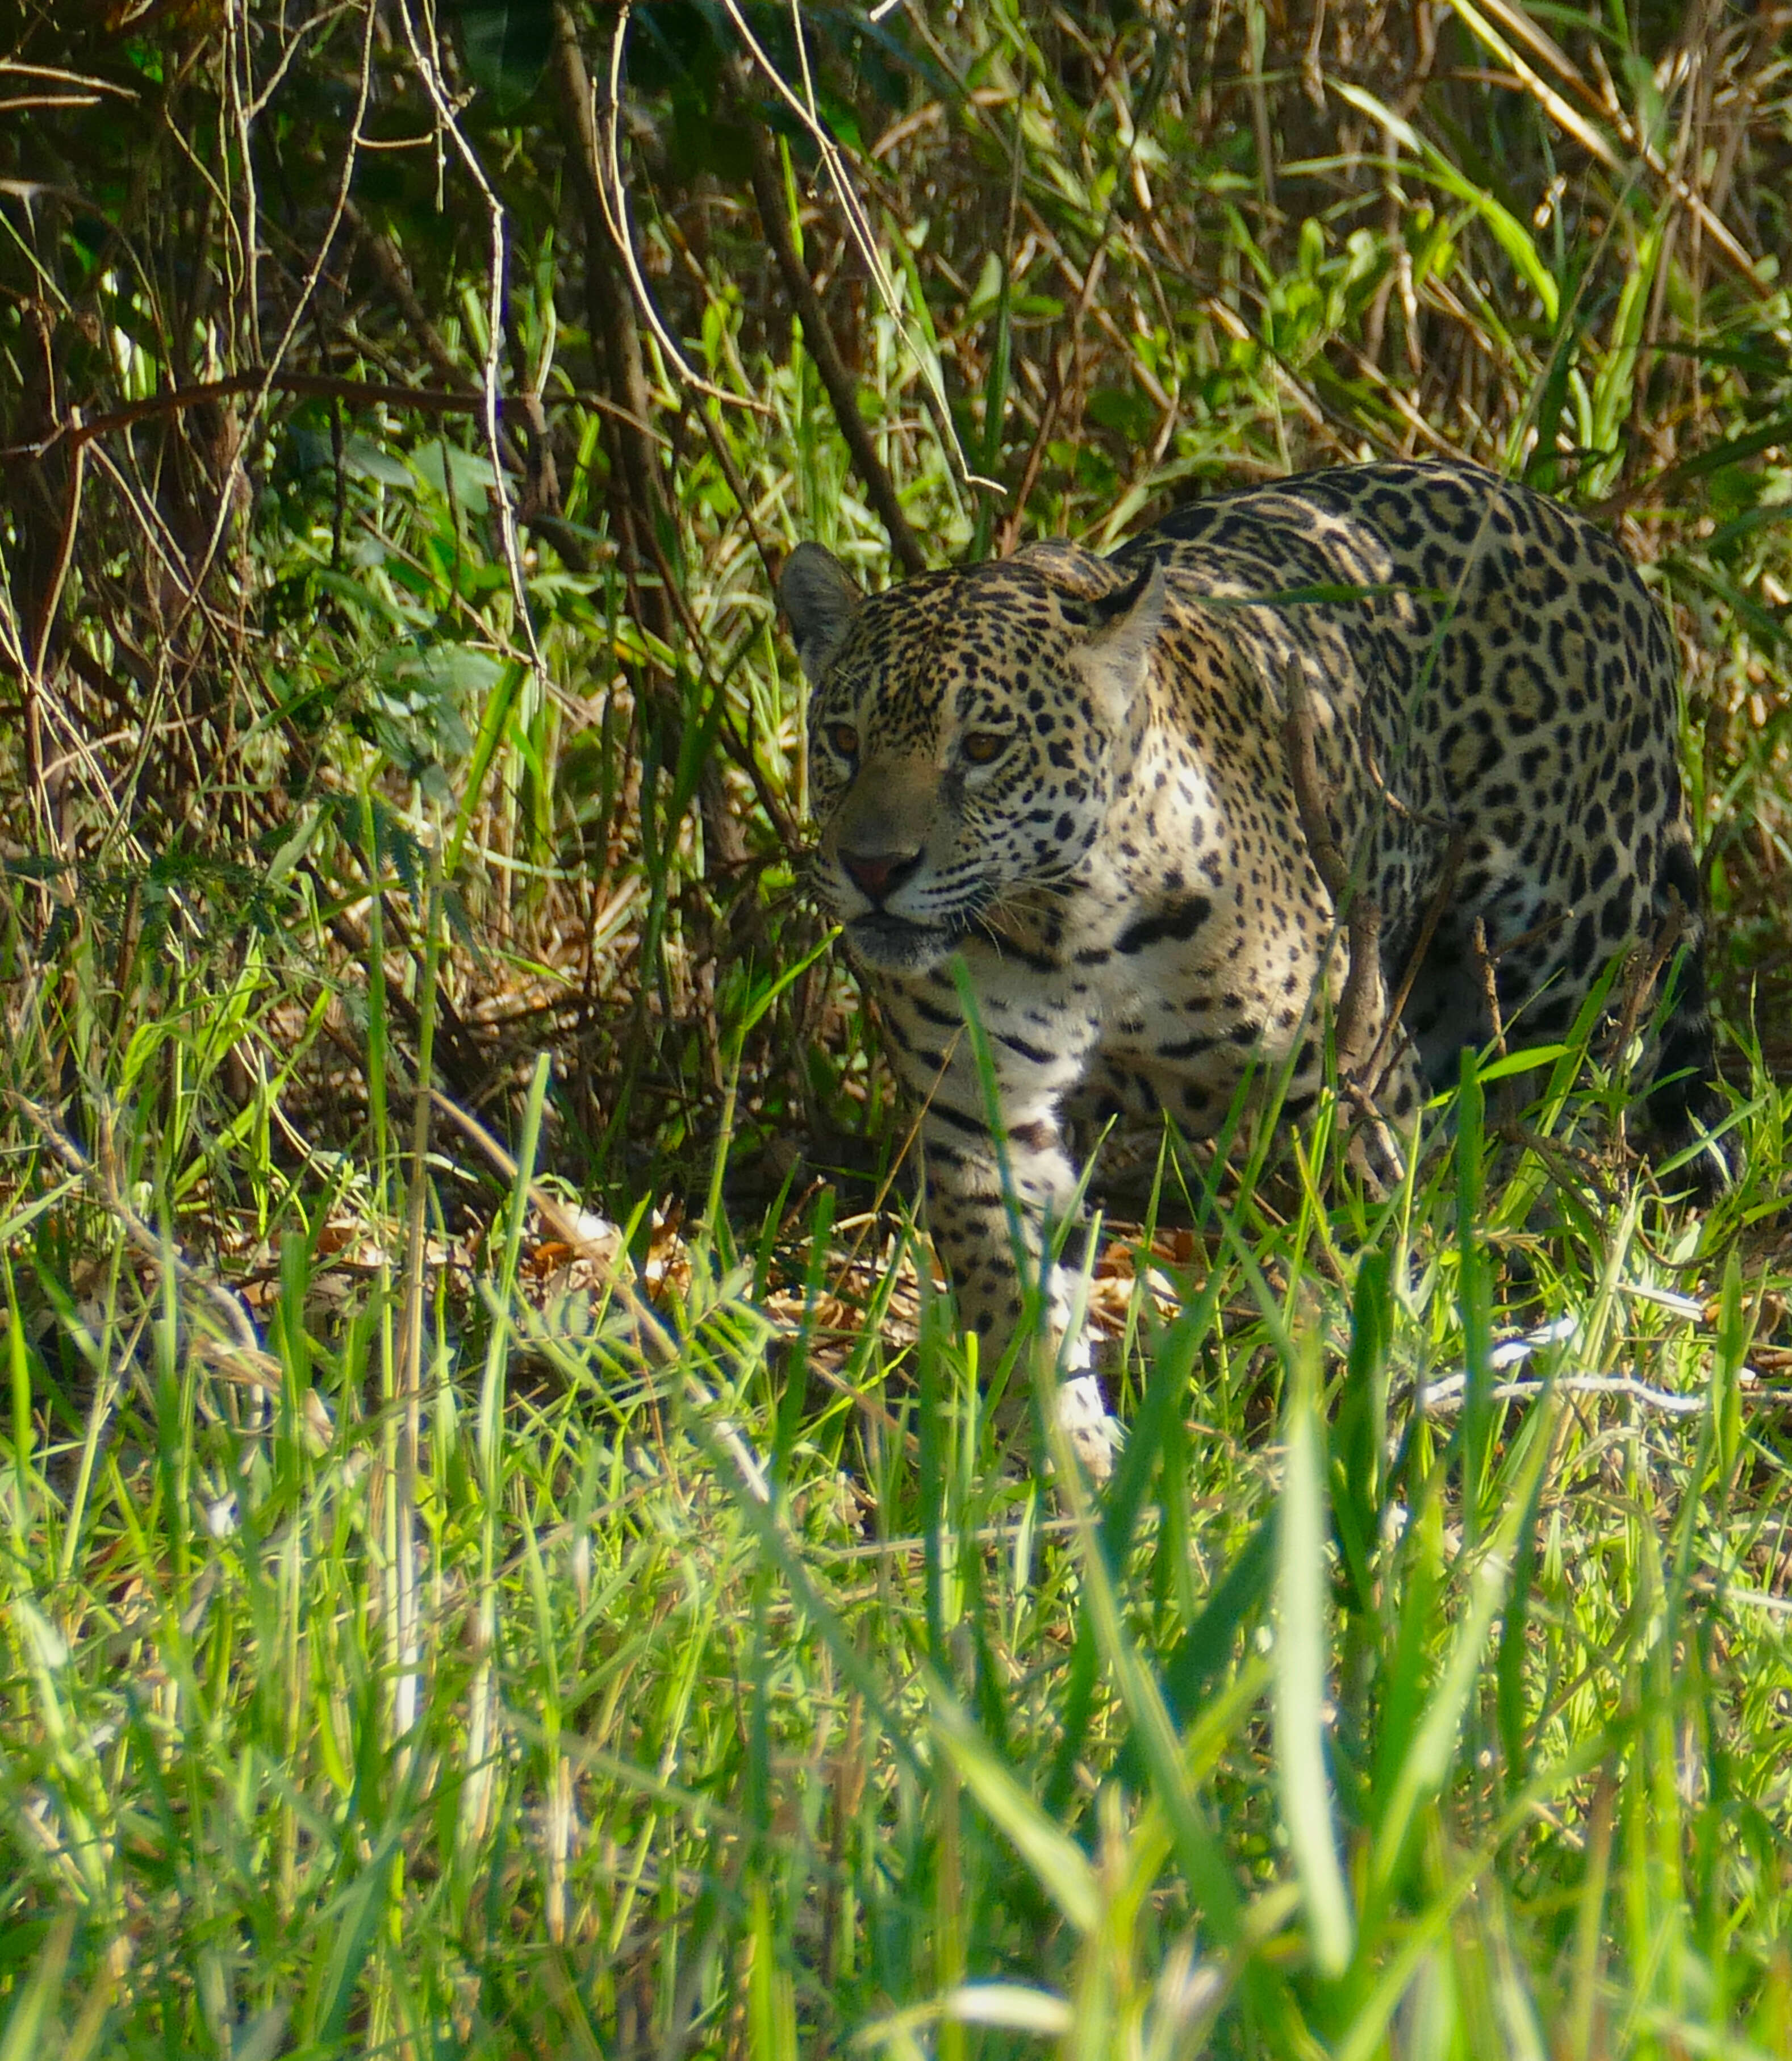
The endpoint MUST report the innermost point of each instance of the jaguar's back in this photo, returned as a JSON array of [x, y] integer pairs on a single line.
[[1519, 691]]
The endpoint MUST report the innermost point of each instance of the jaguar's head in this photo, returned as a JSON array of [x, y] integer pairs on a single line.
[[966, 731]]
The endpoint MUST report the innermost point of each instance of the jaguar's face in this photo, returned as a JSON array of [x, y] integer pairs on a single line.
[[963, 734]]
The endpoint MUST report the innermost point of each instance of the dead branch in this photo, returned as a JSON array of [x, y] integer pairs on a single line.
[[768, 192], [1563, 1161], [97, 1176], [1358, 1030], [1450, 1393], [650, 1333], [1422, 944], [1640, 985], [77, 430], [1490, 986]]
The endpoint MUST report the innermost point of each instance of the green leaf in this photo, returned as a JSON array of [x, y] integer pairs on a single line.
[[439, 462], [32, 2012], [1505, 227], [1057, 1863], [1302, 1650], [367, 460], [441, 669], [507, 47], [358, 1912]]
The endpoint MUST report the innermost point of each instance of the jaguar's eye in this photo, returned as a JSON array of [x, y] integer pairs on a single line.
[[843, 738], [983, 747]]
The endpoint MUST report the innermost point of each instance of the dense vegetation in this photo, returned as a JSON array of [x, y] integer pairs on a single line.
[[499, 1552]]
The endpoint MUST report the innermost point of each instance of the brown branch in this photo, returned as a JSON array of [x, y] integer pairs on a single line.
[[1008, 531], [31, 685], [98, 1175], [1562, 1160], [1490, 984], [1356, 1029], [737, 487], [1645, 969], [768, 191], [77, 430], [636, 511], [389, 262]]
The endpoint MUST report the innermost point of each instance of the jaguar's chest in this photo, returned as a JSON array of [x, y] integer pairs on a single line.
[[1149, 943]]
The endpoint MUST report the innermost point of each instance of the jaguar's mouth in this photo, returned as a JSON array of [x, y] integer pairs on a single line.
[[892, 944]]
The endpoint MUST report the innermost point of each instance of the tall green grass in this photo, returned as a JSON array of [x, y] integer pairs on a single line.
[[710, 1682]]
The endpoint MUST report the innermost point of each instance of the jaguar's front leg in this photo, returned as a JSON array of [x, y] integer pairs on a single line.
[[1000, 1185]]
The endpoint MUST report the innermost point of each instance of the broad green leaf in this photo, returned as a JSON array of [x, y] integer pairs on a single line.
[[1057, 1861], [1301, 1699]]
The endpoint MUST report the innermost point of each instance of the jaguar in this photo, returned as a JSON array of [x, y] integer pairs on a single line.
[[1060, 795]]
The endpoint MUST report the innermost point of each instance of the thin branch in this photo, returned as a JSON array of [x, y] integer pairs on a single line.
[[429, 66], [1421, 945], [768, 191], [611, 1264], [613, 193], [77, 429], [1448, 1393], [1489, 983], [637, 512], [226, 1305], [1357, 1029], [858, 226]]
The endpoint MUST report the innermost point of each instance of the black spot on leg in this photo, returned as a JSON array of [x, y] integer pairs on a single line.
[[972, 1126], [1178, 918], [945, 1019], [1036, 1054], [1187, 1048]]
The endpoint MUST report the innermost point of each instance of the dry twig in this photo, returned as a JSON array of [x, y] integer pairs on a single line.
[[1359, 1023], [768, 191]]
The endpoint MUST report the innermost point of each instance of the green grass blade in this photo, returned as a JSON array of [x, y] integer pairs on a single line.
[[1302, 1697], [1057, 1861]]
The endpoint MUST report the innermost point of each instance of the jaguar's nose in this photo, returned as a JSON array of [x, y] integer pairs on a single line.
[[879, 872]]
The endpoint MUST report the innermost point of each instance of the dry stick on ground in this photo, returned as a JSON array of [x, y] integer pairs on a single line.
[[650, 1333], [768, 192], [98, 1176], [1450, 1393]]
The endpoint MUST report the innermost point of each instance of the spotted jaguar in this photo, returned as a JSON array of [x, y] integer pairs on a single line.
[[1066, 786]]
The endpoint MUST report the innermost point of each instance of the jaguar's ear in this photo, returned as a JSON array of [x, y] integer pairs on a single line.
[[821, 599], [1117, 658]]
